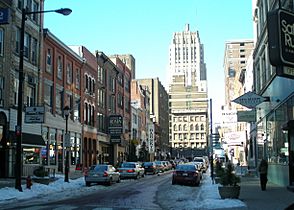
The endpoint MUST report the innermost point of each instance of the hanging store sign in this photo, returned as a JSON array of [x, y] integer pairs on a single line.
[[115, 128], [250, 100], [151, 138], [280, 24], [246, 116]]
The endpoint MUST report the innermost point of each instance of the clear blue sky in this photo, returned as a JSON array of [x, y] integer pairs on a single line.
[[144, 28]]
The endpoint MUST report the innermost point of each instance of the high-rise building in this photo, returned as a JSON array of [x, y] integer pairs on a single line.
[[237, 53], [235, 61], [188, 102]]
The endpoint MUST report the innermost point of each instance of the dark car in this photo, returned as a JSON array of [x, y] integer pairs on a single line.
[[150, 168], [102, 174], [186, 174]]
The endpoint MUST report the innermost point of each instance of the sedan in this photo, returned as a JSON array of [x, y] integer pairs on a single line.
[[186, 174], [150, 167], [102, 174], [131, 170]]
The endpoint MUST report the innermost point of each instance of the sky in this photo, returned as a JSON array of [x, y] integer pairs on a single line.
[[58, 190], [145, 28]]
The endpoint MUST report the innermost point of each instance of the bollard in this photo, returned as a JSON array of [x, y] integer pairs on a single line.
[[29, 182]]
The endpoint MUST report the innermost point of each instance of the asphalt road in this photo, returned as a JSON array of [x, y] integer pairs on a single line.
[[145, 193]]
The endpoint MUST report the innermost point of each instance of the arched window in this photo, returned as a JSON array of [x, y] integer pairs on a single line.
[[191, 127], [202, 127], [175, 127], [180, 127], [196, 127]]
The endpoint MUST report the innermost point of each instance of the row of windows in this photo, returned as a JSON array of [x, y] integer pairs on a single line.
[[191, 145], [187, 137], [189, 119], [185, 127]]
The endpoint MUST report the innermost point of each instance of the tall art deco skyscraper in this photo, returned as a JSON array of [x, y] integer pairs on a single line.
[[188, 101]]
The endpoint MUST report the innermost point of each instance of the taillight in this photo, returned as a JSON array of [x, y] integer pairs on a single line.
[[105, 174], [194, 174], [130, 170]]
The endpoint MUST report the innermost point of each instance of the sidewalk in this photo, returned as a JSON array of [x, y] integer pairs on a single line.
[[274, 198]]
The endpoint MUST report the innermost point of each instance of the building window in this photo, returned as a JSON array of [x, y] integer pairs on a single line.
[[49, 61], [27, 46], [15, 86], [31, 95], [17, 38], [78, 75], [69, 74], [35, 8], [59, 68], [34, 51], [48, 96], [58, 101]]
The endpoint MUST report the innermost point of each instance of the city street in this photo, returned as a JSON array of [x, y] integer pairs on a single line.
[[129, 194], [150, 192]]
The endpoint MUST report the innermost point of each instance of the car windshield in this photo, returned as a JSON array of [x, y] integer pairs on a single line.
[[128, 165], [185, 167], [100, 168], [148, 164]]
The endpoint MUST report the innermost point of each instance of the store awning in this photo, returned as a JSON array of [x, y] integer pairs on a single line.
[[33, 139]]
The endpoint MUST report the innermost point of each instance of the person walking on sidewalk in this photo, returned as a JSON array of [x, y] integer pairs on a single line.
[[262, 169]]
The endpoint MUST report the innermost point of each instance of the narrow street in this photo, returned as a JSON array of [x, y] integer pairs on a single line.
[[150, 192]]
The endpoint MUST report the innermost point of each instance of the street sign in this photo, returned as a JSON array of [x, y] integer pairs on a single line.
[[250, 100], [34, 114], [67, 140]]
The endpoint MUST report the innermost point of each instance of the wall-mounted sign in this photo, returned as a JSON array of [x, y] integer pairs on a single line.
[[34, 114], [4, 16], [280, 24]]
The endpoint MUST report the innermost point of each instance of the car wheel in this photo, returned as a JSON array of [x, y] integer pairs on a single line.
[[118, 180], [109, 183], [88, 184]]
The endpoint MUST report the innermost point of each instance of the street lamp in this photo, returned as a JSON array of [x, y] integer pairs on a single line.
[[66, 143], [18, 128]]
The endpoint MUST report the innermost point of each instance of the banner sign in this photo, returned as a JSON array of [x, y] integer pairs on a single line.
[[151, 138], [115, 128]]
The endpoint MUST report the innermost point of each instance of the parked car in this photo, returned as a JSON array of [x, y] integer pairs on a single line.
[[150, 167], [131, 170], [102, 173], [202, 161], [160, 166], [173, 163], [186, 174]]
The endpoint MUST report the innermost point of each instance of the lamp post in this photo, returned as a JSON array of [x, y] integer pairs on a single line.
[[18, 128], [66, 143]]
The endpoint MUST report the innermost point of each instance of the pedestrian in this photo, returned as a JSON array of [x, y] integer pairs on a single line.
[[262, 169]]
